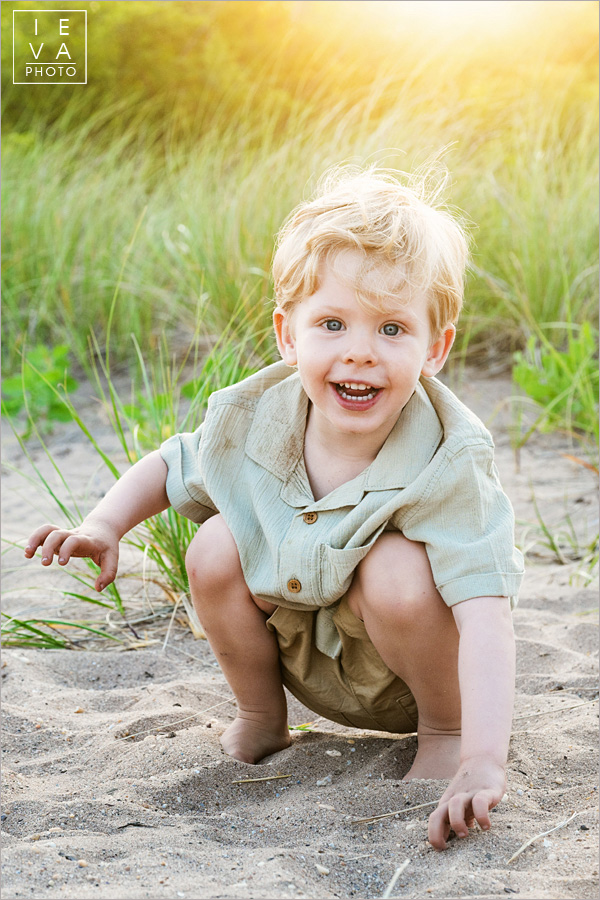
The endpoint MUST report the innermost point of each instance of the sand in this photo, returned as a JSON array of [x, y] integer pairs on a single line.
[[115, 785]]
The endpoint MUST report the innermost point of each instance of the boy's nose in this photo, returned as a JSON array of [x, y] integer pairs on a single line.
[[360, 351]]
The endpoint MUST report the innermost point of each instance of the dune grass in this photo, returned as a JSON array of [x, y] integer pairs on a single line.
[[127, 235], [524, 173], [165, 401]]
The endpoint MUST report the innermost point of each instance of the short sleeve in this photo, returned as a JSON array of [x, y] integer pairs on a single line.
[[466, 522], [185, 487]]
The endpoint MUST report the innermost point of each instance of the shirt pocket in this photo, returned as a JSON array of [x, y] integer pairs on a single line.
[[337, 566]]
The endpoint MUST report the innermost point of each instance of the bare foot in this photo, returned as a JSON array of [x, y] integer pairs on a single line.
[[250, 738], [438, 756]]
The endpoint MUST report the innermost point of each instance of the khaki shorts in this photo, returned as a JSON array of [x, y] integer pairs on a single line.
[[356, 688]]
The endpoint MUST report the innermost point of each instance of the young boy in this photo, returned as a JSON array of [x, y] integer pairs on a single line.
[[356, 545]]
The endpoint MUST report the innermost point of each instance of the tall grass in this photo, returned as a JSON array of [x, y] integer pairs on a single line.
[[536, 262], [205, 206], [524, 167], [165, 401]]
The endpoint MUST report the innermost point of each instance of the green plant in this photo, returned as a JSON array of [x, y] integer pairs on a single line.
[[574, 547], [161, 409], [39, 392], [563, 382], [236, 150], [47, 634]]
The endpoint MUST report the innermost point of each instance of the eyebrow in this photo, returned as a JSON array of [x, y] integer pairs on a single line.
[[397, 312], [400, 312], [329, 308]]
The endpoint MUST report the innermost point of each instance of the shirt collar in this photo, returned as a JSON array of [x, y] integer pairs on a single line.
[[409, 447], [276, 437], [276, 442]]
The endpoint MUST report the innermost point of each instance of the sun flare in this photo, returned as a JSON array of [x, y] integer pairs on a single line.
[[456, 16], [442, 22]]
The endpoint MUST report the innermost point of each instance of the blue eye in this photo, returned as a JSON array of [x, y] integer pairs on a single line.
[[333, 325], [391, 329]]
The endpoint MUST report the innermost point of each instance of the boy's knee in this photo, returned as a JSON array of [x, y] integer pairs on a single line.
[[395, 577], [212, 556]]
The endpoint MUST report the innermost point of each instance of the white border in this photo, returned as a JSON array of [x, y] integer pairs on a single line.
[[32, 83]]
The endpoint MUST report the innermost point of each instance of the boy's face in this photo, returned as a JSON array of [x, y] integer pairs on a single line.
[[359, 368]]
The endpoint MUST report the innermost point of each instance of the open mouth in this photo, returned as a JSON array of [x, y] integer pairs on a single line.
[[350, 390]]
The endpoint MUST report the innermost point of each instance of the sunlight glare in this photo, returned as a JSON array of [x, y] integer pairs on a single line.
[[450, 17]]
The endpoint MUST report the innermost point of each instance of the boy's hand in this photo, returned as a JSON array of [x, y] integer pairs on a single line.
[[95, 540], [477, 787], [140, 493]]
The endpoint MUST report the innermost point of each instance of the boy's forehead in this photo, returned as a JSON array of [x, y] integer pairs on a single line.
[[383, 286]]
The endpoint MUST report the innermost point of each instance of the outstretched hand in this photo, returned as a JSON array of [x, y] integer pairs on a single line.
[[477, 787], [96, 541]]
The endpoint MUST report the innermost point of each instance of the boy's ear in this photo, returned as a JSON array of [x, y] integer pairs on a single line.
[[438, 352], [285, 339]]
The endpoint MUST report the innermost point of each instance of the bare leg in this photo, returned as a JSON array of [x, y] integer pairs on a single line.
[[245, 649], [414, 632]]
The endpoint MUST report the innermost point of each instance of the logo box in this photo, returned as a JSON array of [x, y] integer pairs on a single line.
[[49, 46]]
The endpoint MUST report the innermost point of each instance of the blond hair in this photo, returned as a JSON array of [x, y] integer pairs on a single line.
[[405, 240]]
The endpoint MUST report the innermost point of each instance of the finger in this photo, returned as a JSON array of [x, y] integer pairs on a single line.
[[109, 563], [482, 803], [438, 827], [37, 539], [457, 813], [73, 545], [469, 814], [51, 545]]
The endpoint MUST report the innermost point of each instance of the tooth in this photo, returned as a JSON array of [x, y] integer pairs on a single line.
[[346, 396]]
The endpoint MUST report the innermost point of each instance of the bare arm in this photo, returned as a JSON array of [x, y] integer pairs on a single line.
[[486, 670], [137, 495]]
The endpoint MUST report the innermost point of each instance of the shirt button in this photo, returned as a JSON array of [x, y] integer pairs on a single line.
[[310, 518], [294, 586]]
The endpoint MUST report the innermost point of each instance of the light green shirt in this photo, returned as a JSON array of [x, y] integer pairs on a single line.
[[434, 480]]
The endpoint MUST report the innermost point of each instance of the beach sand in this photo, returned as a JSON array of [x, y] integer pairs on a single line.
[[115, 785]]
